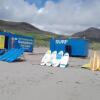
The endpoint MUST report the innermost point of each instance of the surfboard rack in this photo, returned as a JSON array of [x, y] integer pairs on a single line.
[[12, 55]]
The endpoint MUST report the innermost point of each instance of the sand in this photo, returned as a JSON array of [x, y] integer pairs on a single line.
[[27, 80]]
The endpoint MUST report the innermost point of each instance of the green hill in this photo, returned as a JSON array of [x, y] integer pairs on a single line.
[[41, 37]]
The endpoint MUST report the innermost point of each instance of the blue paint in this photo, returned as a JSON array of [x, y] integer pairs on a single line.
[[74, 46]]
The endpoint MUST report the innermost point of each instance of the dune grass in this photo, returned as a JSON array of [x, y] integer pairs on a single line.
[[95, 45], [40, 39], [43, 39]]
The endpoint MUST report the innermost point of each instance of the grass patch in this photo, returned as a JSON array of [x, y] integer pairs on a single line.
[[40, 39], [95, 45]]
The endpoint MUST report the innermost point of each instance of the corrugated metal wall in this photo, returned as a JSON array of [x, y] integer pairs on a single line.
[[75, 46]]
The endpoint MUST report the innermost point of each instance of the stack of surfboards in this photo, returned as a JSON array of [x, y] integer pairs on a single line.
[[55, 59]]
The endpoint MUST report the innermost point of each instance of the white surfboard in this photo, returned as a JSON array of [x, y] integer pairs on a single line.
[[56, 61], [46, 58], [64, 60], [53, 56]]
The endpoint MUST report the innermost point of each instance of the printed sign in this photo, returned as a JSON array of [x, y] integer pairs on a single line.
[[2, 41], [61, 41], [25, 43]]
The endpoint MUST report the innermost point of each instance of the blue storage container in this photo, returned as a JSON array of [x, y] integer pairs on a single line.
[[74, 46], [17, 41]]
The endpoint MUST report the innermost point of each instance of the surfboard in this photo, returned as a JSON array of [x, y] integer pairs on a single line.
[[46, 58], [88, 66], [64, 60], [53, 56], [56, 61]]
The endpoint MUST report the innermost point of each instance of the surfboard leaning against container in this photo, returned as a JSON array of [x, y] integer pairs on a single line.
[[64, 60], [56, 62], [53, 56], [46, 58]]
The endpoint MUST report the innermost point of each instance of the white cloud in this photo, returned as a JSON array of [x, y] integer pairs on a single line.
[[68, 16], [40, 10]]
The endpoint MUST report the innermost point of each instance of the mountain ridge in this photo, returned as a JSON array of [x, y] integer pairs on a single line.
[[92, 34], [41, 37], [20, 27]]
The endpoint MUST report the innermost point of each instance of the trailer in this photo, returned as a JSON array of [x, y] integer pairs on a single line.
[[74, 46], [9, 41]]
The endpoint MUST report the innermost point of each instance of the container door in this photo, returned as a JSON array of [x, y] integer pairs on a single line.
[[6, 42], [68, 49]]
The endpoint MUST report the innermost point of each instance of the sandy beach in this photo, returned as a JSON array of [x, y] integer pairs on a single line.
[[27, 80]]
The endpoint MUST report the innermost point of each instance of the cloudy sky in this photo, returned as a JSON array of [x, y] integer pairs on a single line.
[[59, 16]]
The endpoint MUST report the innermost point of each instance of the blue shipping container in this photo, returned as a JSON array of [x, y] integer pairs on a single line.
[[74, 46], [17, 41]]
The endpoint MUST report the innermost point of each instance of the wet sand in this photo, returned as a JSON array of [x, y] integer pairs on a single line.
[[27, 80]]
